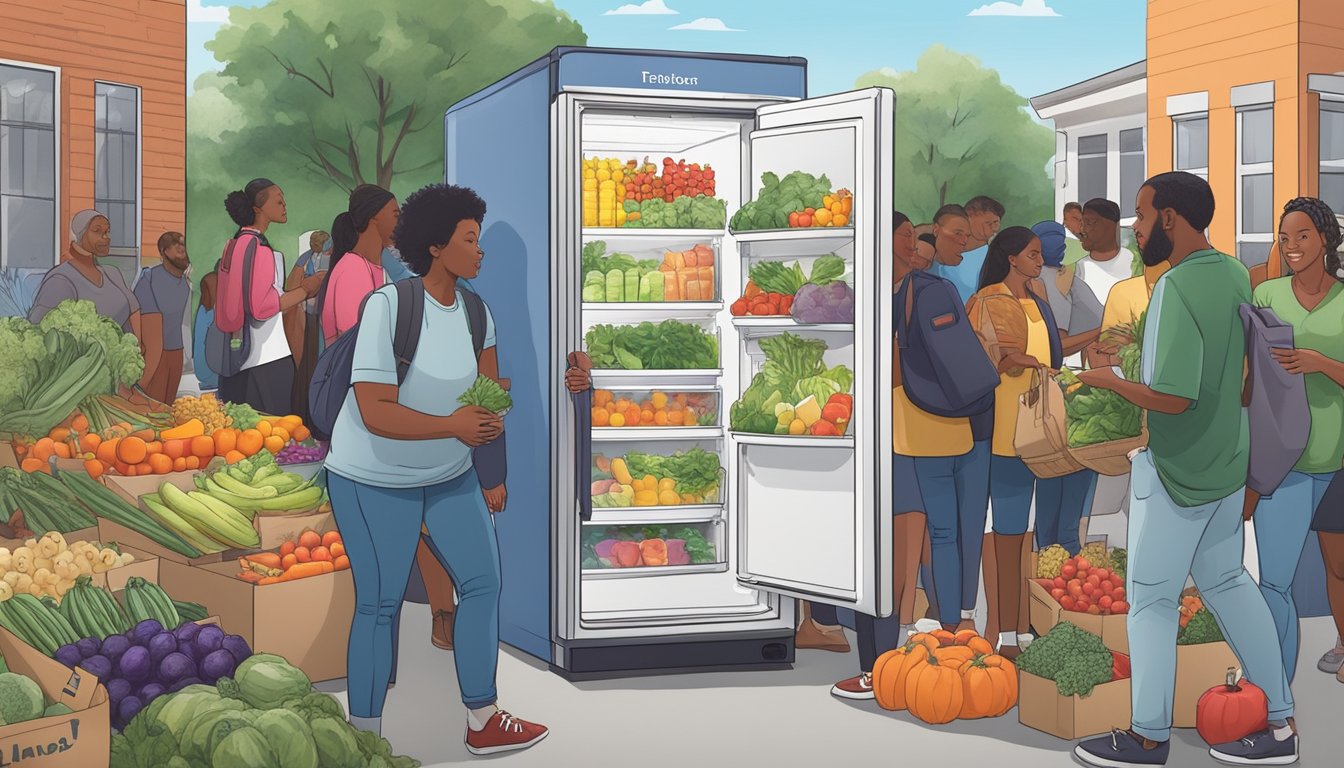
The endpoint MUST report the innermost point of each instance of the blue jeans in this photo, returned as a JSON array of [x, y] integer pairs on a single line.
[[956, 498], [1167, 542], [380, 528], [1011, 484], [1282, 523], [1061, 504]]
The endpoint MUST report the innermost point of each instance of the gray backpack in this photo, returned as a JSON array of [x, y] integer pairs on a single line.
[[1279, 417]]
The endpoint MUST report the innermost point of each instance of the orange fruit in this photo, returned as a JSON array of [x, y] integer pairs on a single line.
[[617, 420], [288, 561], [107, 451], [281, 433], [342, 563], [302, 554], [175, 449], [660, 418], [264, 427], [337, 549], [226, 440], [132, 450], [161, 463], [59, 434], [250, 442], [43, 449], [95, 468], [193, 462], [600, 417], [144, 468], [80, 423], [310, 539], [301, 433], [233, 457], [274, 444], [34, 465], [690, 419], [203, 448], [180, 464], [89, 442], [154, 446], [62, 450]]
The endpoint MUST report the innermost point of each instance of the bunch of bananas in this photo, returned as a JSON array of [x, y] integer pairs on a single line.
[[603, 192], [206, 408]]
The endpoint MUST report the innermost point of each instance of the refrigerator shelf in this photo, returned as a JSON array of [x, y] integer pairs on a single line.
[[691, 513], [602, 574], [787, 323], [794, 441], [645, 434], [607, 378], [671, 310], [788, 243], [606, 233]]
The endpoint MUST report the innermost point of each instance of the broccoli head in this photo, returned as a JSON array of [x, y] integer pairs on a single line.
[[1084, 671], [21, 353], [1202, 628], [121, 351], [1047, 655]]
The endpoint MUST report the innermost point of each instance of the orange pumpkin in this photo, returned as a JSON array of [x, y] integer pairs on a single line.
[[889, 676], [933, 690], [989, 687], [927, 639], [969, 638], [955, 655], [944, 637]]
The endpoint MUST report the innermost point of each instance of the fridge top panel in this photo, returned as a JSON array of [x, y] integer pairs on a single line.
[[575, 68]]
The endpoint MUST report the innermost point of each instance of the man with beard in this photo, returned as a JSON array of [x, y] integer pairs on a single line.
[[164, 291], [1189, 483]]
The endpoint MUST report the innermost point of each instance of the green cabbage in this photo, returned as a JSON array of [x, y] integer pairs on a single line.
[[336, 743], [244, 748], [290, 737], [21, 699], [268, 681]]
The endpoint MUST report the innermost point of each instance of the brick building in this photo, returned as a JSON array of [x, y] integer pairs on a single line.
[[93, 104]]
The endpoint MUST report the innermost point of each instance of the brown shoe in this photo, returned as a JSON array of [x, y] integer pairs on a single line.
[[504, 733], [810, 636], [858, 688], [442, 636]]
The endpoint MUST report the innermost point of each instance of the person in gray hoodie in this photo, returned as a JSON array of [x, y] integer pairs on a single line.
[[1076, 307]]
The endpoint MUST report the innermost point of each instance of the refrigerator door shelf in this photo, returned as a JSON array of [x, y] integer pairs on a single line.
[[783, 323], [602, 574], [788, 243], [607, 378], [690, 513], [647, 434], [794, 441]]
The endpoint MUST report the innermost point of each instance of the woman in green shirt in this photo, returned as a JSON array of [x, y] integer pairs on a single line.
[[1311, 300]]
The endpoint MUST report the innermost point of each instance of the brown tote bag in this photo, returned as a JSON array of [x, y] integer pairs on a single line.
[[1041, 438]]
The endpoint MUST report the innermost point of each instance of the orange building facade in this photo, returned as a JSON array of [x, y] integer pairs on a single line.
[[92, 115], [1235, 94]]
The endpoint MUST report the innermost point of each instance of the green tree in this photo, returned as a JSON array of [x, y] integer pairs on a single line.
[[961, 132], [324, 95]]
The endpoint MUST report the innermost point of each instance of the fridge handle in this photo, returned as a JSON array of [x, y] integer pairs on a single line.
[[583, 449]]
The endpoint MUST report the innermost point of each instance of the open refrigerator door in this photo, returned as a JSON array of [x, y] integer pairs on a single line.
[[811, 424]]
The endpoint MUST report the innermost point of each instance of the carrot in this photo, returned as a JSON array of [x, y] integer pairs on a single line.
[[250, 576], [304, 570], [267, 559], [269, 580]]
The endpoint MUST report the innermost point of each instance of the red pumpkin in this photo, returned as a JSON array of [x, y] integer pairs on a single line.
[[1231, 711]]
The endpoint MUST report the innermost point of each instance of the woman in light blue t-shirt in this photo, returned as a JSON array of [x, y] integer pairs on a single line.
[[401, 458]]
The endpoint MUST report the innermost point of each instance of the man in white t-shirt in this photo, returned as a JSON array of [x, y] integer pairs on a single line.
[[1106, 263]]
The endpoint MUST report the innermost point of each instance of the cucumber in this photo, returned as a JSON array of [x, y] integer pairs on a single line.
[[190, 611], [106, 504], [146, 600], [108, 608], [22, 613], [10, 621]]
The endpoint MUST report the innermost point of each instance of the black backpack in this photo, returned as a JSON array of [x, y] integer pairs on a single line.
[[331, 375]]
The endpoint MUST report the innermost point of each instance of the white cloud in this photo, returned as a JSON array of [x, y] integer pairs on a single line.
[[650, 8], [206, 14], [705, 25], [1025, 8]]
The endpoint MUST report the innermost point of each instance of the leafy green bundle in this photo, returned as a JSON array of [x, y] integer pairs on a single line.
[[777, 199], [596, 259], [696, 471], [793, 370], [774, 277], [669, 345], [47, 370], [1100, 415], [486, 393], [699, 212]]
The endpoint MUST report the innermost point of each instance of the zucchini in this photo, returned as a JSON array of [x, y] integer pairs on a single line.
[[190, 611], [106, 504], [146, 600]]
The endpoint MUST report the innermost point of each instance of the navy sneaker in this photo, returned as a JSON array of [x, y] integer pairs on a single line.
[[1258, 749], [1122, 749]]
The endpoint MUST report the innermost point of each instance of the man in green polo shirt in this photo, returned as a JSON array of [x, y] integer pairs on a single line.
[[1188, 486]]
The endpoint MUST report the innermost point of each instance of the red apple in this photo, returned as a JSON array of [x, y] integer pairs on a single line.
[[1069, 571], [1061, 583], [1066, 602], [1057, 593], [1120, 606]]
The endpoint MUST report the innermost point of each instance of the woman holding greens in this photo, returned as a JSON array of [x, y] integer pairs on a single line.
[[1310, 301]]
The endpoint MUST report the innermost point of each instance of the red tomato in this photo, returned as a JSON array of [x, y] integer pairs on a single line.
[[740, 308], [1082, 603], [1103, 573], [1094, 580], [1120, 606], [1107, 586], [1068, 571], [1105, 602], [805, 220], [1094, 610], [1118, 594], [1061, 583], [1083, 563], [793, 219], [1057, 593], [1066, 603], [1075, 589]]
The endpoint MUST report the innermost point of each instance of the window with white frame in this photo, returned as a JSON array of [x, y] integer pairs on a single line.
[[117, 163], [28, 180], [1133, 169], [1192, 144], [1255, 183], [1091, 167], [1331, 166]]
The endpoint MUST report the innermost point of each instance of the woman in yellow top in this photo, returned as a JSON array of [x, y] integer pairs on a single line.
[[1011, 308]]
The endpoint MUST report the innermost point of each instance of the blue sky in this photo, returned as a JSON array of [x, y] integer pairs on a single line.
[[1036, 45]]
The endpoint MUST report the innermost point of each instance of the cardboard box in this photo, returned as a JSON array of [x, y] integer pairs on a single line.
[[110, 531], [1046, 613], [145, 565], [1198, 668], [277, 529], [81, 739], [306, 621], [1040, 706], [132, 488]]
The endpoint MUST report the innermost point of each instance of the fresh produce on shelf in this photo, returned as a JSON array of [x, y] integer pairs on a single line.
[[92, 611], [105, 504], [1086, 588], [793, 370], [47, 505], [1100, 415], [242, 415], [699, 212], [47, 566], [832, 303], [669, 345], [604, 189], [636, 547], [648, 480], [796, 201], [104, 412], [146, 600], [486, 393], [1076, 660], [259, 486], [680, 276], [311, 554], [1096, 554], [777, 281], [37, 622], [682, 180], [47, 370], [758, 303], [809, 418], [206, 408], [266, 714], [152, 659], [688, 275], [658, 410]]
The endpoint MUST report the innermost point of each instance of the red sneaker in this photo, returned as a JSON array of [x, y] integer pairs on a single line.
[[504, 733], [858, 688]]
